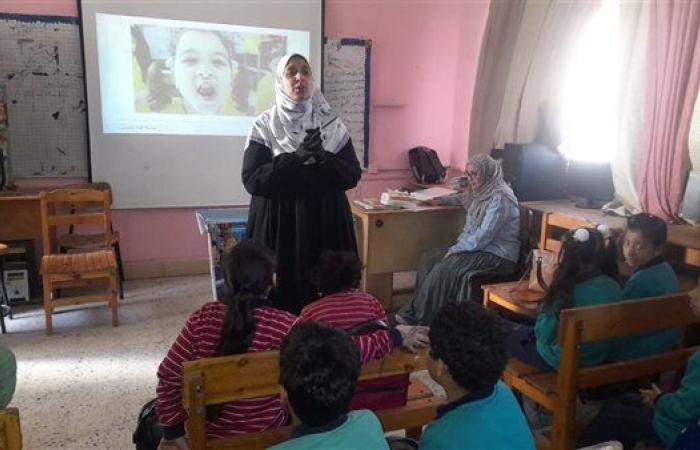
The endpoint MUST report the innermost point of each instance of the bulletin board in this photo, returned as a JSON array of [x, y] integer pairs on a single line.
[[346, 83], [42, 74]]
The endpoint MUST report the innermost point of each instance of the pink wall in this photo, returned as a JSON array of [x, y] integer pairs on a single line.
[[424, 59]]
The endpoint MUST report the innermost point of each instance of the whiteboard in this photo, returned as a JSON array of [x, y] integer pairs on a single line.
[[42, 72], [346, 76]]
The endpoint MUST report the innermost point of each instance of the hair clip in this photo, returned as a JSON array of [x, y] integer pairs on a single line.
[[605, 230], [581, 235]]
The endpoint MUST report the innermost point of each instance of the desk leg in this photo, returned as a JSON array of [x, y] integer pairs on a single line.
[[211, 266], [381, 286]]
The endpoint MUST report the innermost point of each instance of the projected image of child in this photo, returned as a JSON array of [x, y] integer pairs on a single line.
[[205, 72], [200, 68]]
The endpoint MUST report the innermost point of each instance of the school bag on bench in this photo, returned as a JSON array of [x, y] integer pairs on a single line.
[[426, 166]]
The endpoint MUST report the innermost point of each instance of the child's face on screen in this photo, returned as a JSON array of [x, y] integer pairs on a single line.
[[202, 71]]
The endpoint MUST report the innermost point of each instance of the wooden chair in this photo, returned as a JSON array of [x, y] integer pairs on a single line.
[[557, 391], [10, 432], [209, 382], [97, 267], [81, 242], [526, 245]]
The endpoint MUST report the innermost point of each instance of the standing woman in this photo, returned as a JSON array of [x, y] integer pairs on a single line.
[[298, 163], [488, 243]]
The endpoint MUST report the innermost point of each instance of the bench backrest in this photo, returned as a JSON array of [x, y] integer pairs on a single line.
[[588, 324], [10, 434], [219, 380]]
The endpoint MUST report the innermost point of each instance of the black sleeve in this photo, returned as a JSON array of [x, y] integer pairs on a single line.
[[286, 174], [340, 171], [264, 175]]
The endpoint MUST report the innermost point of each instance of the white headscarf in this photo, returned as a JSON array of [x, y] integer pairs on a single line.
[[283, 127], [492, 183]]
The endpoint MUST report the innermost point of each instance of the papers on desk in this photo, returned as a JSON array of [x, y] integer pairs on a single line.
[[432, 193]]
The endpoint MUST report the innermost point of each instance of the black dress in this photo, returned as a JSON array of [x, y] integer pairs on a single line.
[[298, 211]]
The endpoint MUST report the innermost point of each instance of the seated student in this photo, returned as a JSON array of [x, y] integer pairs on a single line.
[[651, 416], [468, 355], [342, 304], [337, 278], [244, 321], [643, 249], [578, 281], [319, 366], [488, 243], [8, 376]]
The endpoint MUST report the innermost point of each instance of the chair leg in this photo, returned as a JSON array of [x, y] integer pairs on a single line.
[[113, 300], [120, 268], [47, 306]]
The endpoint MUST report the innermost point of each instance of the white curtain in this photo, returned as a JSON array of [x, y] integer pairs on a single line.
[[634, 37], [531, 110]]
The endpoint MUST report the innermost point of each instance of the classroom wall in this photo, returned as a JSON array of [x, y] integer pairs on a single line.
[[424, 60]]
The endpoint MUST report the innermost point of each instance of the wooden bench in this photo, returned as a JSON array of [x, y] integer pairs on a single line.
[[209, 382], [558, 391], [10, 433]]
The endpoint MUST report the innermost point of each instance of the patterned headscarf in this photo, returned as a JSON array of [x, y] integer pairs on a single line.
[[492, 183], [283, 127]]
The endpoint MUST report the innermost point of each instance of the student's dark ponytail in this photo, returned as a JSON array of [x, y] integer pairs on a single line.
[[581, 258], [248, 272], [249, 269]]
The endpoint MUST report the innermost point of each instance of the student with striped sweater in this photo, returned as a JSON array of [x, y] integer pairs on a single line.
[[343, 305], [244, 322]]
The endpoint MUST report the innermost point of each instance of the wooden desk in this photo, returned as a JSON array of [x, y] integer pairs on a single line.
[[20, 219], [393, 241], [683, 240], [501, 294]]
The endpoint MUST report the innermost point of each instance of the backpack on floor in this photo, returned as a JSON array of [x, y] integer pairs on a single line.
[[426, 166], [148, 430]]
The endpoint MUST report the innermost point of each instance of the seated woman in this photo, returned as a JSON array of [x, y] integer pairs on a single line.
[[337, 278], [488, 243], [244, 321], [643, 249], [578, 281], [8, 376]]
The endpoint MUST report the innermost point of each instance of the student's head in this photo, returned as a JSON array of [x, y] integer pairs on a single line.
[[202, 69], [582, 256], [337, 272], [319, 367], [467, 347], [295, 77], [644, 239], [249, 271], [695, 299]]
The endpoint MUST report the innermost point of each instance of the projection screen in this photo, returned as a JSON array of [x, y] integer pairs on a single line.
[[173, 88]]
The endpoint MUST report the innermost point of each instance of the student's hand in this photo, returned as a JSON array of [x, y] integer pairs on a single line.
[[649, 396], [414, 337], [174, 444]]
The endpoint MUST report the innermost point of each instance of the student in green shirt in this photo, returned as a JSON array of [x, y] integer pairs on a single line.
[[319, 367], [8, 376], [651, 416], [579, 281], [643, 249]]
